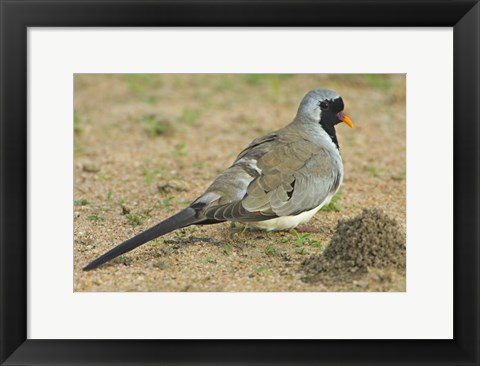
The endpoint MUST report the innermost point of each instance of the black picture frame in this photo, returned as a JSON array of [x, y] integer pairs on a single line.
[[17, 15]]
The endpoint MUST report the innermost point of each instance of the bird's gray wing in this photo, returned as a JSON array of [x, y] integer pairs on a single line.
[[231, 185], [283, 175]]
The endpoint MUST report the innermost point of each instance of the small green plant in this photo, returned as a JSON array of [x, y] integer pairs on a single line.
[[77, 127], [165, 202], [300, 238], [181, 150], [134, 219], [81, 202], [333, 205], [223, 83], [261, 269], [379, 81], [154, 126], [198, 164], [190, 116], [271, 250], [122, 260], [143, 86], [104, 175], [95, 217], [180, 233], [227, 249], [284, 76], [275, 84], [374, 170], [208, 259], [255, 79], [317, 244], [301, 251], [149, 174], [109, 197], [78, 149]]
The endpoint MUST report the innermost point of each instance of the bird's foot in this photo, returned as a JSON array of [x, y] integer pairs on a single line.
[[306, 229]]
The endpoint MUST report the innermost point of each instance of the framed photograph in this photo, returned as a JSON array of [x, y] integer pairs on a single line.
[[239, 183], [177, 131]]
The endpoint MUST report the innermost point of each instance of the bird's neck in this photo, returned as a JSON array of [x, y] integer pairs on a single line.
[[330, 130], [314, 128]]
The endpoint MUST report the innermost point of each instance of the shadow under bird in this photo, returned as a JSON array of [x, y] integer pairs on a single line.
[[278, 182]]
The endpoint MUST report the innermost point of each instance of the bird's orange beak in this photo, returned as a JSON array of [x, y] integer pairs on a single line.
[[344, 118]]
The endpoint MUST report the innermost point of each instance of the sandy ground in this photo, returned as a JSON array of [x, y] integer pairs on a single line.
[[147, 145]]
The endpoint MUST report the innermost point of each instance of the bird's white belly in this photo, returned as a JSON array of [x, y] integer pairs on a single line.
[[286, 222]]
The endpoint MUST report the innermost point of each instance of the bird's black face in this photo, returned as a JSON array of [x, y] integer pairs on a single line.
[[330, 111], [331, 115]]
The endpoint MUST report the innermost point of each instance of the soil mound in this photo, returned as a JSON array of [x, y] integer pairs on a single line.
[[371, 240]]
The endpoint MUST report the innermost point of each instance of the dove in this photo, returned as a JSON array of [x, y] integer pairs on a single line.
[[277, 183]]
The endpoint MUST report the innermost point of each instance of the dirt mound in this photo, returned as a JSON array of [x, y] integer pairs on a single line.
[[367, 242]]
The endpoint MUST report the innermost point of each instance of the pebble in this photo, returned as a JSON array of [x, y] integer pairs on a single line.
[[90, 167], [173, 185]]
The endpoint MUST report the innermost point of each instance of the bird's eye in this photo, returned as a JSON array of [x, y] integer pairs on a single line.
[[324, 106]]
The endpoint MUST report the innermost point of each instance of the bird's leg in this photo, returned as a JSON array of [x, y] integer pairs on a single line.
[[245, 227], [238, 229], [306, 229]]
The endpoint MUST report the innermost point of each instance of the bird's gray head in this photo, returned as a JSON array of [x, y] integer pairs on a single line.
[[323, 107]]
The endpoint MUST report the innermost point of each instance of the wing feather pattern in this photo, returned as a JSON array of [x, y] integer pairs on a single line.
[[292, 176]]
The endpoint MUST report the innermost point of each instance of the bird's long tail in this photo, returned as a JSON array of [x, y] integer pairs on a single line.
[[181, 219]]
